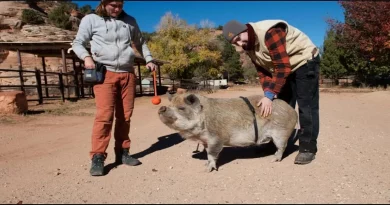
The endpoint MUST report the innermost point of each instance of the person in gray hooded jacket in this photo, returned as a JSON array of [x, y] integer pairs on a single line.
[[115, 39]]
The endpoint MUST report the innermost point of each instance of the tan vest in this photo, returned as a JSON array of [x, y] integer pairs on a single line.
[[299, 46]]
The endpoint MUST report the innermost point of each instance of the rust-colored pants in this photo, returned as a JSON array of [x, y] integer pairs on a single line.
[[117, 94]]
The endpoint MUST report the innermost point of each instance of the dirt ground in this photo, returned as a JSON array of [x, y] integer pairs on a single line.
[[44, 159]]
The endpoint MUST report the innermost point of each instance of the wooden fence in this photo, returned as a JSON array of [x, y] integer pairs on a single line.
[[70, 86], [42, 88]]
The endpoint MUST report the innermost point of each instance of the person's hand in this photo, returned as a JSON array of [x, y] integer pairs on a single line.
[[152, 67], [266, 106], [89, 63]]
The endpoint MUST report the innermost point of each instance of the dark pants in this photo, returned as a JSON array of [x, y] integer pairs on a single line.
[[302, 86]]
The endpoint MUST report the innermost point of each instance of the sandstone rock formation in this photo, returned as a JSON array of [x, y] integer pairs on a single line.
[[13, 102]]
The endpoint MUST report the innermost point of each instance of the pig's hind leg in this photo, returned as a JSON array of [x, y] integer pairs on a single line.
[[280, 139]]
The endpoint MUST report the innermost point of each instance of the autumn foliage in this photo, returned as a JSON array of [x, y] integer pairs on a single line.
[[366, 29]]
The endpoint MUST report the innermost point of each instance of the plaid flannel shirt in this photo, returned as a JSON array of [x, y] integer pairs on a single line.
[[275, 40]]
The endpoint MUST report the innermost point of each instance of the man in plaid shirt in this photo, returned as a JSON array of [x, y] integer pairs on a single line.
[[288, 66]]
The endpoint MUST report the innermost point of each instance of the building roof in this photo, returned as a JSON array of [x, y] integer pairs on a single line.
[[54, 49]]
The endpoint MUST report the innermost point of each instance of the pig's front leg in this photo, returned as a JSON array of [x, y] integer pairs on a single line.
[[213, 148]]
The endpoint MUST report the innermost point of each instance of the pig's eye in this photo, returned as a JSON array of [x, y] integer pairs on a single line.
[[181, 108]]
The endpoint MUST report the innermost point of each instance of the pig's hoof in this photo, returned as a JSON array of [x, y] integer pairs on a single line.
[[276, 159], [211, 166]]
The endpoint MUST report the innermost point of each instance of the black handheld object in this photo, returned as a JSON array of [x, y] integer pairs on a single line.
[[95, 76]]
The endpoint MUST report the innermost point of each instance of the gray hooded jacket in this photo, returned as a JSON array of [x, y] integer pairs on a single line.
[[110, 40]]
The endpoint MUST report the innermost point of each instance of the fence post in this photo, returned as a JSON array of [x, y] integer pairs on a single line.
[[82, 84], [20, 70], [60, 79], [76, 78], [65, 69], [76, 82], [45, 77], [39, 85], [140, 79], [159, 75]]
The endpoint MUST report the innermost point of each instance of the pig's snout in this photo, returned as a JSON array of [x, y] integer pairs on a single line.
[[162, 109]]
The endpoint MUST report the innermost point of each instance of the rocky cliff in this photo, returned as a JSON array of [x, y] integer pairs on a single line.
[[12, 29]]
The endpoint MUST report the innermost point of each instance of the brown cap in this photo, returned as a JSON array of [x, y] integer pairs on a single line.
[[232, 28]]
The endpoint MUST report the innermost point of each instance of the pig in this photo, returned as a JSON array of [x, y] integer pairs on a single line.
[[219, 122]]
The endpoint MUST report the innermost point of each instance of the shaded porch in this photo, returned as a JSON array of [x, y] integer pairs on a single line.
[[67, 79]]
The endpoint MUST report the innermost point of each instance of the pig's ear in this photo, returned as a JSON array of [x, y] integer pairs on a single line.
[[191, 100]]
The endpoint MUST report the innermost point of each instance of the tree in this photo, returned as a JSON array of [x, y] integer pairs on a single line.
[[186, 47], [33, 5], [331, 65], [206, 58], [355, 65], [59, 16], [30, 16], [86, 9], [231, 60], [206, 24], [148, 36], [366, 32], [249, 70]]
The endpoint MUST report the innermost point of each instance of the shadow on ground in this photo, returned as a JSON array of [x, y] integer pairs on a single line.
[[229, 154], [163, 142], [35, 112]]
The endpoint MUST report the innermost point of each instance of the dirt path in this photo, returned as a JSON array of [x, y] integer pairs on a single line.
[[44, 159]]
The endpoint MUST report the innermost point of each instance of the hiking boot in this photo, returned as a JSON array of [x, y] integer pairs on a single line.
[[97, 166], [304, 158], [123, 157]]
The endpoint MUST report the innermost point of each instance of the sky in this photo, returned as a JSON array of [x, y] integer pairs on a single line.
[[307, 16]]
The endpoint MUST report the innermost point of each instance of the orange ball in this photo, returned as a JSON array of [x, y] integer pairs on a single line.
[[156, 100]]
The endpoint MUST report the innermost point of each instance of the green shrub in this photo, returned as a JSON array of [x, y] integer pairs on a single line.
[[86, 9], [30, 16], [60, 15]]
